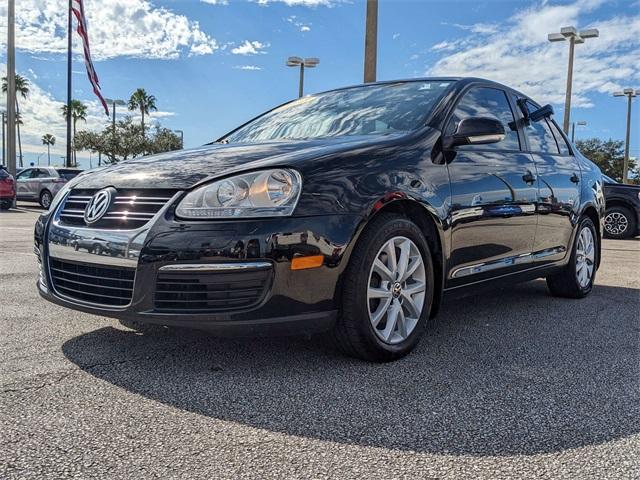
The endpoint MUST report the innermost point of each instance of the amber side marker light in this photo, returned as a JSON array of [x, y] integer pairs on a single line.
[[302, 263]]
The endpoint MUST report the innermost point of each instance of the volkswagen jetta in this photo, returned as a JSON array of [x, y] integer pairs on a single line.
[[355, 210]]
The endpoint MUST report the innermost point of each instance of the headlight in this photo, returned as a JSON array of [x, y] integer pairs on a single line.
[[265, 193]]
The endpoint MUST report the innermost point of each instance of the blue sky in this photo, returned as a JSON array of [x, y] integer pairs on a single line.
[[213, 64]]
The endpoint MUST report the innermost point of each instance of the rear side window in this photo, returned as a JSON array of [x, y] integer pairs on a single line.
[[491, 103], [562, 144], [541, 139], [68, 174], [3, 173], [40, 173]]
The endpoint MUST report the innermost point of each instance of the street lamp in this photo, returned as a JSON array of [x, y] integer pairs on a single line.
[[181, 138], [571, 34], [302, 63], [4, 156], [113, 103], [629, 93], [573, 129]]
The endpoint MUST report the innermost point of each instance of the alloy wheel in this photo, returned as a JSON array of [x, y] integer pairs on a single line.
[[615, 223], [46, 200], [585, 257], [396, 290]]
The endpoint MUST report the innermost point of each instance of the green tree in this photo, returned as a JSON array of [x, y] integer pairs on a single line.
[[127, 142], [608, 155], [78, 112], [48, 140], [143, 102], [22, 88]]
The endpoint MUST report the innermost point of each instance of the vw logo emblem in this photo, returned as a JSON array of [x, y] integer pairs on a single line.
[[98, 205]]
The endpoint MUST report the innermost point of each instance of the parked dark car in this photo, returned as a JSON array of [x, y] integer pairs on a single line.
[[622, 216], [40, 184], [355, 210], [7, 189]]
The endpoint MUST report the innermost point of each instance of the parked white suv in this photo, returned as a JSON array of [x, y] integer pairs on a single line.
[[41, 184]]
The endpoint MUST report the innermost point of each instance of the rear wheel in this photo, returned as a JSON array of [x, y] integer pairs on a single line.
[[45, 199], [619, 222], [576, 279], [388, 291]]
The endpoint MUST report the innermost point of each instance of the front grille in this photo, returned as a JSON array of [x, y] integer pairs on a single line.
[[213, 292], [103, 285], [130, 209]]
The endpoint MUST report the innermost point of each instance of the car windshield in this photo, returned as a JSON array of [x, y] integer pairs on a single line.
[[368, 110]]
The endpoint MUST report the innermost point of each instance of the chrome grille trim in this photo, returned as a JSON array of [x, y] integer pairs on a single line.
[[130, 210]]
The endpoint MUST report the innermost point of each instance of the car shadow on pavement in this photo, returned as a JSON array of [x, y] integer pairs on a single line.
[[513, 372]]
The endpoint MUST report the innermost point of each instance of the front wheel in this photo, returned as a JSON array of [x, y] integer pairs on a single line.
[[576, 279], [619, 222], [388, 291]]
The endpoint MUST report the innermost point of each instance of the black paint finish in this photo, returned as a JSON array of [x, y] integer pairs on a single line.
[[494, 213]]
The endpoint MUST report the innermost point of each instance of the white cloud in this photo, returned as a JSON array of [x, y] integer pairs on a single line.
[[247, 67], [216, 2], [250, 48], [300, 25], [396, 36], [476, 27], [301, 3], [133, 28], [518, 53], [42, 113]]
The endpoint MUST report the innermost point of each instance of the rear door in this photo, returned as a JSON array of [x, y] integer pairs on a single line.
[[494, 191], [559, 180]]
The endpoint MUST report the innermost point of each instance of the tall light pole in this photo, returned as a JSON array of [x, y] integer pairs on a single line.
[[4, 154], [573, 129], [629, 93], [574, 38], [371, 42], [302, 63], [11, 87], [113, 103], [181, 132]]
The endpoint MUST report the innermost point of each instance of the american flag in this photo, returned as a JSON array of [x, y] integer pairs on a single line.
[[78, 10]]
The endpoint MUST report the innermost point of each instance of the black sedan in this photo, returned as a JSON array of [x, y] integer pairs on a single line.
[[622, 217], [355, 210]]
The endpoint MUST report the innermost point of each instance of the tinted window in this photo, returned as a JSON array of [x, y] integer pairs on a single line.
[[491, 103], [540, 138], [68, 174], [24, 174], [3, 173], [562, 144], [40, 173], [367, 110]]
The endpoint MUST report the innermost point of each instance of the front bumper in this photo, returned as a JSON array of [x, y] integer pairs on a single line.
[[288, 301]]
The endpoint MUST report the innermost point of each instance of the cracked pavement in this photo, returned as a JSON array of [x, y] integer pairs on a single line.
[[510, 384]]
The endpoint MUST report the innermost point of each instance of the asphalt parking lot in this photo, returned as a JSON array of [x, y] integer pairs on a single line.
[[512, 384]]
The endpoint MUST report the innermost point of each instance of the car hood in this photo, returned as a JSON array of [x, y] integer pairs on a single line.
[[185, 168]]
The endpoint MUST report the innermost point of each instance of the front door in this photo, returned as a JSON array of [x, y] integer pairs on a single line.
[[493, 195], [24, 184]]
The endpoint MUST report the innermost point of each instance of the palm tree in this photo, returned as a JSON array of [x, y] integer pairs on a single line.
[[78, 112], [48, 140], [22, 87], [141, 101]]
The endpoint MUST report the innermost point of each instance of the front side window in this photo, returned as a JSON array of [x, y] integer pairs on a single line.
[[24, 174], [489, 103], [541, 139], [368, 110]]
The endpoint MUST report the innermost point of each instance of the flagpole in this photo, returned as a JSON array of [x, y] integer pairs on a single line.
[[69, 60]]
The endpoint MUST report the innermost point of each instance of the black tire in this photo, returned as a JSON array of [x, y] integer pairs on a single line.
[[45, 199], [354, 333], [5, 205], [615, 218], [565, 282], [97, 249]]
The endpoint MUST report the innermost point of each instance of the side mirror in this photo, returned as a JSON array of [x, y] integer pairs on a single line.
[[476, 131], [541, 113]]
